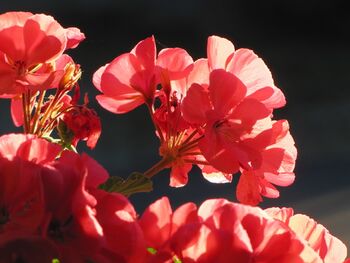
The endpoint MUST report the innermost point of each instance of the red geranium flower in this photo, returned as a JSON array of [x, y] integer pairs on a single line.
[[246, 66], [22, 203], [220, 231], [131, 79], [28, 44], [228, 117], [319, 241]]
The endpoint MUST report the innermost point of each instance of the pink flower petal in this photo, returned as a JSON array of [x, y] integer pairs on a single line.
[[219, 50], [176, 61], [253, 72]]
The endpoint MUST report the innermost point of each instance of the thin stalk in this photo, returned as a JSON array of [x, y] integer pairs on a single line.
[[190, 137], [161, 165], [190, 145], [37, 111], [25, 113]]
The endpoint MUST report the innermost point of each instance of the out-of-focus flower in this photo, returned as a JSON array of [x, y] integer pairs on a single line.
[[328, 248], [22, 205], [219, 231]]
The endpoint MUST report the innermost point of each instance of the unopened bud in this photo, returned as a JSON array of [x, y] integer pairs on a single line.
[[71, 75]]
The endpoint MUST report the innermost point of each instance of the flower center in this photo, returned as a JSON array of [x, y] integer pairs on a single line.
[[56, 229]]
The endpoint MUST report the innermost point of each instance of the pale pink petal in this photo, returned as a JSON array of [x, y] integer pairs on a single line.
[[281, 179], [38, 151], [208, 207], [199, 73], [10, 143], [283, 214], [268, 190], [254, 73], [97, 77], [179, 174], [215, 176], [122, 75], [62, 62], [330, 248], [176, 61], [13, 19], [120, 105], [74, 37], [219, 51]]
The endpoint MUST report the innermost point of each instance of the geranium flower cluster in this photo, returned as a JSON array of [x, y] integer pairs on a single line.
[[215, 113], [57, 205]]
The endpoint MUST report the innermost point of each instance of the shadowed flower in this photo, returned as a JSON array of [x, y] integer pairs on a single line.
[[219, 231]]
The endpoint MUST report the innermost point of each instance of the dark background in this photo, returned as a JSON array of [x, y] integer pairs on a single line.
[[304, 43]]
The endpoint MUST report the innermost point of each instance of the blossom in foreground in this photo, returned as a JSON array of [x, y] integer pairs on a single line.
[[220, 231], [55, 204], [328, 248]]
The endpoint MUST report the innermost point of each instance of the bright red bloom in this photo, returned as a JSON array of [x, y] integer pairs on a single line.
[[22, 204], [229, 118], [87, 223], [131, 79], [328, 248], [278, 157], [219, 231], [28, 45]]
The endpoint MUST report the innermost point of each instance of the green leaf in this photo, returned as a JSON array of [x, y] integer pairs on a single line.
[[65, 133], [135, 183], [55, 260], [152, 251]]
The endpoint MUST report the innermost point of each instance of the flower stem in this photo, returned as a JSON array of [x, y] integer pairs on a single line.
[[37, 111], [161, 165], [26, 111]]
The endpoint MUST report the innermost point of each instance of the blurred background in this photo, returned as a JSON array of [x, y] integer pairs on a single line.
[[304, 43]]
